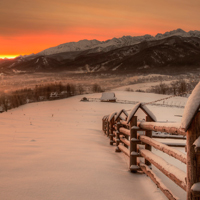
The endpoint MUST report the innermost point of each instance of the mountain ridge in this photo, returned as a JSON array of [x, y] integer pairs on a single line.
[[170, 55], [114, 43]]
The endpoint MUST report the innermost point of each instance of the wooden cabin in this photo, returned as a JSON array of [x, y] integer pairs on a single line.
[[108, 97]]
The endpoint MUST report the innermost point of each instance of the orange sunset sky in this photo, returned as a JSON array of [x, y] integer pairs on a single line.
[[30, 26]]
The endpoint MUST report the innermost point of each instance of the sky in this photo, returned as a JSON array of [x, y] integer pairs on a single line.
[[28, 26]]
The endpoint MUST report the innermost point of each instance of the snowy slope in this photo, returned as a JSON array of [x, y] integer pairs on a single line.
[[56, 150]]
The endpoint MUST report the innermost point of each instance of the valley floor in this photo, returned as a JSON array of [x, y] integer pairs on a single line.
[[57, 150]]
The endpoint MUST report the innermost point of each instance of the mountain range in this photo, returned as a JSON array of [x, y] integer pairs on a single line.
[[172, 52]]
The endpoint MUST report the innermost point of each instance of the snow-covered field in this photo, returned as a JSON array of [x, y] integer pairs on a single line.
[[142, 86], [56, 150]]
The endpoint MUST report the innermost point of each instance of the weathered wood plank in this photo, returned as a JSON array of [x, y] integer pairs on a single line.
[[125, 141], [157, 181], [174, 144], [124, 149], [169, 137], [124, 131], [124, 123], [114, 139], [164, 148], [162, 127], [172, 172]]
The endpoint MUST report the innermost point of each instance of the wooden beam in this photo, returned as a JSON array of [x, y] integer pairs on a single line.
[[164, 148], [178, 137], [124, 149], [125, 141], [172, 172], [114, 132], [162, 127], [124, 123], [124, 131], [157, 181], [174, 144]]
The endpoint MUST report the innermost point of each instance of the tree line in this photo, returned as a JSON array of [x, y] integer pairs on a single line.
[[43, 92], [179, 87]]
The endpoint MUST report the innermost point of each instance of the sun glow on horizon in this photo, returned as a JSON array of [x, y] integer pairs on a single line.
[[8, 56]]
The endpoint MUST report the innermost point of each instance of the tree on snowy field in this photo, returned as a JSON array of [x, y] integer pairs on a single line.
[[182, 87], [174, 87], [80, 89], [73, 89], [96, 88], [68, 88], [163, 88], [4, 102]]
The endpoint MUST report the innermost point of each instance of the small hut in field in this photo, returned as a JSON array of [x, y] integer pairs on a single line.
[[108, 97]]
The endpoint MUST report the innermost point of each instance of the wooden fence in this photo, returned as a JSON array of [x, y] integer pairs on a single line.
[[124, 131]]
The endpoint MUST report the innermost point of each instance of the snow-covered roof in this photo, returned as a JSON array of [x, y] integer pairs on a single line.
[[111, 116], [191, 108], [108, 96], [63, 92], [197, 144], [144, 108], [120, 112]]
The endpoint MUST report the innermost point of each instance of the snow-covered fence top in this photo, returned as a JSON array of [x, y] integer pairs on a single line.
[[191, 108], [125, 133]]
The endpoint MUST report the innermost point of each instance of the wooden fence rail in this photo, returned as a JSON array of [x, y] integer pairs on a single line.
[[125, 133]]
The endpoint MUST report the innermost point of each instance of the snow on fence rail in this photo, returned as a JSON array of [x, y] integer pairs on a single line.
[[125, 133]]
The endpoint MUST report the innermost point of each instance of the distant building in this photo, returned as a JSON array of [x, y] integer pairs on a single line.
[[64, 94], [1, 109], [29, 100], [54, 95], [108, 97], [42, 98]]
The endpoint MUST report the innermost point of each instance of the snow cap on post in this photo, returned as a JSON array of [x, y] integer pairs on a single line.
[[145, 110], [119, 113], [191, 108], [105, 117], [149, 113], [111, 116]]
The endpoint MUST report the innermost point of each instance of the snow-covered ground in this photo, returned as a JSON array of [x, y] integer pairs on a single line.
[[142, 86], [56, 150]]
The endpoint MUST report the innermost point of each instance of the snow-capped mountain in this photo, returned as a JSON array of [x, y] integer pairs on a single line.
[[98, 46], [169, 55], [143, 54]]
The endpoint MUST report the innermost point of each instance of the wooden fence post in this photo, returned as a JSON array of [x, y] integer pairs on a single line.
[[148, 134], [111, 131], [127, 137], [133, 145], [103, 124], [117, 138], [193, 158], [108, 128]]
